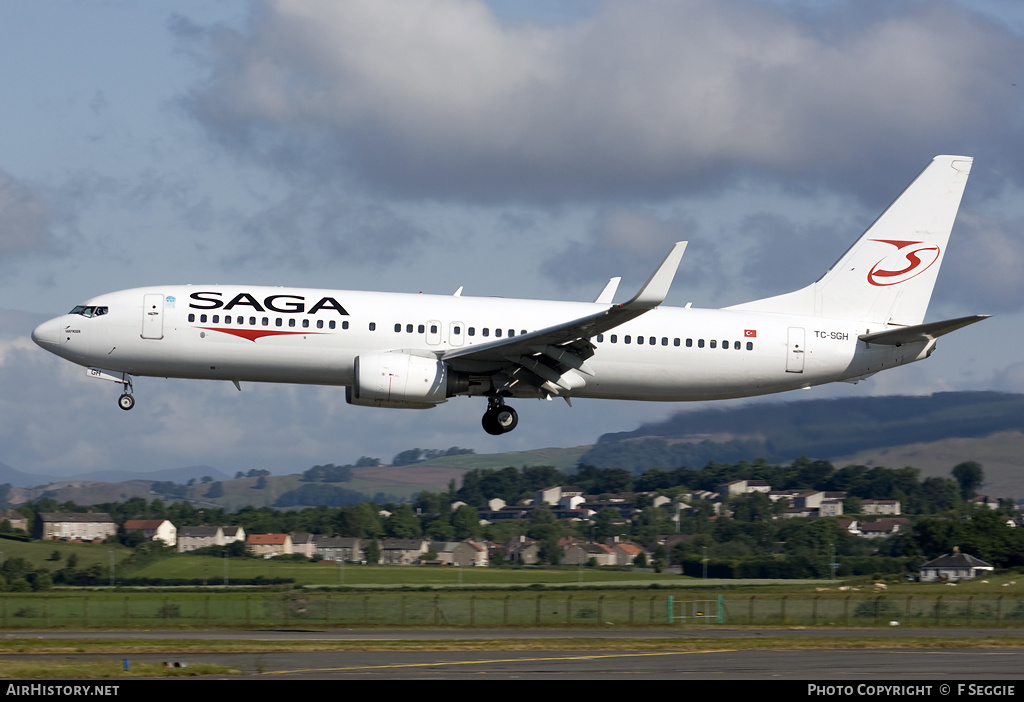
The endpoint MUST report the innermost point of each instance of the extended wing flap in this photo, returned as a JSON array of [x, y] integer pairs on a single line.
[[920, 332]]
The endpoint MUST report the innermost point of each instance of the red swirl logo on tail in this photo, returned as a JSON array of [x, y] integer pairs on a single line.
[[911, 259]]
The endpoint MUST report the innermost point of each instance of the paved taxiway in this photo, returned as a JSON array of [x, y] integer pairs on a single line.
[[710, 662]]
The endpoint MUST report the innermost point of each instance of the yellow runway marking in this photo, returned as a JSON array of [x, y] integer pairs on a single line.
[[493, 660]]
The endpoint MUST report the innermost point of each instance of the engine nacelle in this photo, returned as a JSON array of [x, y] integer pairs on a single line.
[[399, 380]]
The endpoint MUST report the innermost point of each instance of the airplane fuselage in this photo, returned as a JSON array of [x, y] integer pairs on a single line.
[[289, 335]]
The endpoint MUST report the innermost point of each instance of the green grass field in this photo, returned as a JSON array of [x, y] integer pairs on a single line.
[[214, 571]]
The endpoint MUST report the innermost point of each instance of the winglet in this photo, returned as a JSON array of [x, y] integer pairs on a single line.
[[605, 298], [654, 291]]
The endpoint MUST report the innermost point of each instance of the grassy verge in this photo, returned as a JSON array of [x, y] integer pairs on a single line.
[[99, 670]]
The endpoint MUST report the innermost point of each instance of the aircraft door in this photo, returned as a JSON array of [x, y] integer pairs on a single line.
[[456, 334], [153, 316], [433, 332], [795, 351]]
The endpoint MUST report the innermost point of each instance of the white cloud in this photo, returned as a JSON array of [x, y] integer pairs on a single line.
[[439, 99]]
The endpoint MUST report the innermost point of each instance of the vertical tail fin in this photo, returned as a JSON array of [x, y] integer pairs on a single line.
[[887, 276]]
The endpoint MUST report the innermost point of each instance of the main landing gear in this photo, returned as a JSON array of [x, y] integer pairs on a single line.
[[499, 417]]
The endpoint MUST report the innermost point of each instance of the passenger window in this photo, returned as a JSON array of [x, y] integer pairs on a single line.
[[664, 341], [398, 328], [456, 330], [216, 319], [373, 326], [331, 324], [408, 329], [486, 331], [713, 344], [639, 340], [615, 338], [750, 346], [471, 331], [675, 342], [278, 322], [266, 321], [319, 324], [344, 325], [497, 332], [652, 341], [202, 318], [511, 332], [305, 324], [626, 339], [600, 338], [736, 346], [700, 343], [252, 321], [421, 329], [191, 318]]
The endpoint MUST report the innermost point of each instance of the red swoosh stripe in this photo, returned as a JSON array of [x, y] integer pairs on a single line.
[[253, 334]]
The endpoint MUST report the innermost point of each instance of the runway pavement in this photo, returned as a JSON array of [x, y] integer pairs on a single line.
[[708, 662]]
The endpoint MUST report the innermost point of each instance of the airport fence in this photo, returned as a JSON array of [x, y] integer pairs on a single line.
[[507, 609]]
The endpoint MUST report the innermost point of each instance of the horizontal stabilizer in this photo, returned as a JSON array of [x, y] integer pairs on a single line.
[[920, 332]]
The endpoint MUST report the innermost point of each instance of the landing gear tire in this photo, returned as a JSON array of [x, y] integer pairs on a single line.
[[126, 402], [500, 420]]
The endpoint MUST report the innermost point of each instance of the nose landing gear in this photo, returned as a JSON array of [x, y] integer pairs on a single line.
[[127, 400], [499, 417]]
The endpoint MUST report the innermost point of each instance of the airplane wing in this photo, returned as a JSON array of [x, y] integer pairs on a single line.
[[545, 358], [920, 332]]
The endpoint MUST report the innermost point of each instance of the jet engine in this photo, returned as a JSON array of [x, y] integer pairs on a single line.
[[401, 380]]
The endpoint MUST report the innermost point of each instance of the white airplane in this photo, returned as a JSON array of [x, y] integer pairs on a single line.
[[415, 351]]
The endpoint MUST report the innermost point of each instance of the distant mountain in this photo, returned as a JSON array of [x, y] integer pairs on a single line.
[[781, 432], [176, 475], [19, 479]]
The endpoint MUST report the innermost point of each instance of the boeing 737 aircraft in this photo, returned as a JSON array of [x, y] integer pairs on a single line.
[[414, 351]]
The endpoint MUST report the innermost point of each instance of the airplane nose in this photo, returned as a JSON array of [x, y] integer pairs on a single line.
[[47, 334]]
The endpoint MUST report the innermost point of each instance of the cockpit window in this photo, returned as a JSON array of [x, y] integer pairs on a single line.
[[91, 311]]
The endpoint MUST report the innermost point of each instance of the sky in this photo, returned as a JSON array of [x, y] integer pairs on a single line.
[[521, 149]]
